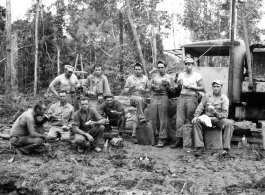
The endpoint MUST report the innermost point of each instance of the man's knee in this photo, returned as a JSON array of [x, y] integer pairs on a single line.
[[101, 128], [38, 141]]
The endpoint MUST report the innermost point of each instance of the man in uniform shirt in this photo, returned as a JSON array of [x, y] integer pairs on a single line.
[[66, 81], [215, 105], [24, 134], [115, 112], [88, 126], [61, 116], [161, 85], [98, 85]]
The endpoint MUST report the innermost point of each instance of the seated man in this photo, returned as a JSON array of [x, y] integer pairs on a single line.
[[88, 126], [24, 135], [61, 116], [215, 105], [115, 113]]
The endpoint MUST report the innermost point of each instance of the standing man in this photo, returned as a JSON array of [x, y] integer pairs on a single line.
[[215, 105], [115, 112], [161, 84], [97, 85], [61, 116], [68, 82], [24, 135], [88, 126], [136, 87], [192, 84]]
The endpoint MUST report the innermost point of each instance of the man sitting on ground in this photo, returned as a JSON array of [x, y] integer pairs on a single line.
[[214, 104], [88, 126], [61, 114], [115, 112], [24, 135]]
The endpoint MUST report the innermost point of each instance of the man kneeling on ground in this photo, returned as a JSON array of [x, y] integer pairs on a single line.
[[214, 104], [115, 112], [61, 115], [88, 126], [24, 135]]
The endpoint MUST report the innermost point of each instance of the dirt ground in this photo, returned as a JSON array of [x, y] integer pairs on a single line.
[[131, 170]]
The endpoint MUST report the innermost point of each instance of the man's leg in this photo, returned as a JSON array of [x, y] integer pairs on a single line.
[[138, 102], [53, 133], [198, 134], [192, 103], [153, 113], [228, 130], [96, 132], [163, 119], [121, 124], [65, 135], [80, 142], [181, 116], [26, 144]]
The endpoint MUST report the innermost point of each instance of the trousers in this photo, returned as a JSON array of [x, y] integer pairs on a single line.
[[225, 124], [186, 107], [158, 113]]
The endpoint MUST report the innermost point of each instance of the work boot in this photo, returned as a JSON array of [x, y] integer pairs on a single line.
[[135, 140], [227, 152], [160, 143], [177, 144], [142, 119], [97, 149], [200, 151]]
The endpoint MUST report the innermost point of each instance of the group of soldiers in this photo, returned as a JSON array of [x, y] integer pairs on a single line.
[[84, 116]]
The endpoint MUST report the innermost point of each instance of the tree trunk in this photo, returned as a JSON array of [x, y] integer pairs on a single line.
[[36, 49], [8, 86], [14, 66], [154, 46], [121, 41], [136, 37], [58, 60], [82, 68]]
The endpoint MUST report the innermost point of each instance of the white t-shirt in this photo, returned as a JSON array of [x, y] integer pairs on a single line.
[[191, 80]]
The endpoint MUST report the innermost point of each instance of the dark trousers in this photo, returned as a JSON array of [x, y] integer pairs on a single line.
[[28, 144], [96, 132], [119, 121]]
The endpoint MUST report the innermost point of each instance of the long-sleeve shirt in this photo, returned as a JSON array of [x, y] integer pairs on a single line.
[[64, 113], [220, 103], [99, 85]]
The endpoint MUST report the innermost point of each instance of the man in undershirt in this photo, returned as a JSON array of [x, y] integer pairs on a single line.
[[192, 84], [68, 82], [161, 84]]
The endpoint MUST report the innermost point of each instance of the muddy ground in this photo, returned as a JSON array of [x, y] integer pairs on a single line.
[[120, 171]]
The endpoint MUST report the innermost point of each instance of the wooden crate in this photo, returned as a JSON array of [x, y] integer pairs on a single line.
[[213, 138], [188, 136]]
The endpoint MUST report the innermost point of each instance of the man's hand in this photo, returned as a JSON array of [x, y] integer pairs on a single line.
[[140, 88], [93, 123], [195, 119], [90, 93], [65, 128], [115, 112], [89, 137], [53, 117], [132, 88], [211, 108]]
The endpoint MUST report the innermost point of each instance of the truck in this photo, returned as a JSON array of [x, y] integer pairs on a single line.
[[244, 83]]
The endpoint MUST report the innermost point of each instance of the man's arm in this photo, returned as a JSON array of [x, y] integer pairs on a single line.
[[55, 82], [71, 119], [77, 82], [31, 129], [106, 87], [127, 87], [200, 107], [200, 86], [223, 112], [76, 125], [119, 110]]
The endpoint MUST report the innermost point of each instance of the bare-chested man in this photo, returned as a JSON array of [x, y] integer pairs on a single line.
[[24, 134], [161, 84], [68, 82]]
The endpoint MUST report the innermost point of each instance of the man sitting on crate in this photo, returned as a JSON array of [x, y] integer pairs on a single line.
[[214, 104], [114, 111]]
